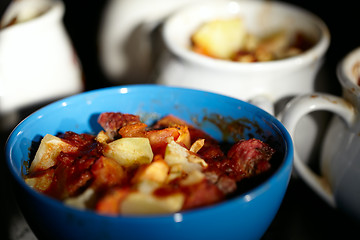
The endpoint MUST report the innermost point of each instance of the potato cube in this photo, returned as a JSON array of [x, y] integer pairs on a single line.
[[221, 38], [147, 186], [42, 181], [49, 149], [156, 171], [192, 178], [102, 137], [176, 171], [137, 203], [178, 155], [130, 152]]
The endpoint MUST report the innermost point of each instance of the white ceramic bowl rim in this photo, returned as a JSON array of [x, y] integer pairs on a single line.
[[309, 56], [344, 70]]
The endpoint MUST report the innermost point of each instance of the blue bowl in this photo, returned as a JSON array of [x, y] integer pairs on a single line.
[[246, 216]]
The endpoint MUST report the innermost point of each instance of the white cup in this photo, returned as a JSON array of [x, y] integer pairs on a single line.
[[37, 59], [262, 83], [337, 182]]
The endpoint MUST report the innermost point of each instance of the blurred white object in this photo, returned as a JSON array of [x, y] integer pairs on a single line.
[[37, 59], [25, 11], [126, 34]]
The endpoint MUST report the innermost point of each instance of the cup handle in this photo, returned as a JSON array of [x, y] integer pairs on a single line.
[[290, 116], [264, 103]]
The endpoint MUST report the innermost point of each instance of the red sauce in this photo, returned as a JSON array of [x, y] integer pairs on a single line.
[[87, 166], [72, 172]]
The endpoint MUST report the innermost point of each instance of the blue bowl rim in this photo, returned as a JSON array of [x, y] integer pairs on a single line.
[[286, 165]]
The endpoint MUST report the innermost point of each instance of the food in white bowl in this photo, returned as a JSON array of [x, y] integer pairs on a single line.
[[229, 39]]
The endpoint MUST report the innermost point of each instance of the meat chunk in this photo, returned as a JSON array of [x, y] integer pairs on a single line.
[[211, 148], [113, 121], [201, 194], [172, 121], [169, 121], [72, 172], [248, 158]]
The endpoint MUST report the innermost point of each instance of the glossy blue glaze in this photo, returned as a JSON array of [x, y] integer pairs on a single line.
[[244, 217]]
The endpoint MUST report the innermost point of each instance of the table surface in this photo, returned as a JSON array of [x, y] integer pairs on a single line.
[[302, 215]]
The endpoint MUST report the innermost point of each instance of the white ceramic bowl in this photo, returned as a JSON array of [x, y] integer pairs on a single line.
[[273, 80]]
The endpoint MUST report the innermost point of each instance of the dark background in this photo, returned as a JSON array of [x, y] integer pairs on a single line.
[[303, 215]]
